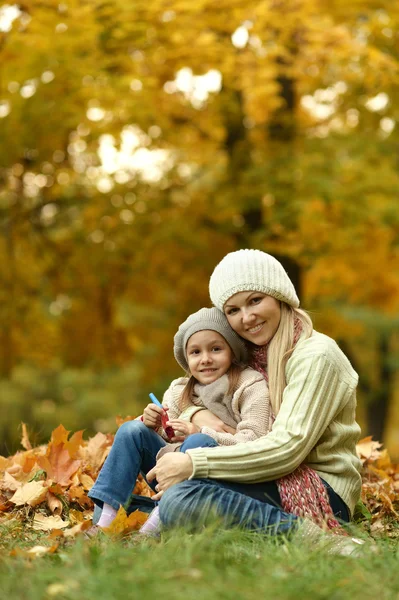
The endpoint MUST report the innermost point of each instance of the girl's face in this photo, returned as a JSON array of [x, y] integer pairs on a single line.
[[254, 316], [208, 356]]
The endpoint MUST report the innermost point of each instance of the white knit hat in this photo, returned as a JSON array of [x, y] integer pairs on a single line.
[[204, 319], [250, 271]]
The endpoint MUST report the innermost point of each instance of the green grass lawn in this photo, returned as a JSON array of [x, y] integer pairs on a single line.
[[214, 564]]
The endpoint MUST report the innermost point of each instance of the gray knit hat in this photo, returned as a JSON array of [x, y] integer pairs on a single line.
[[214, 320], [250, 271]]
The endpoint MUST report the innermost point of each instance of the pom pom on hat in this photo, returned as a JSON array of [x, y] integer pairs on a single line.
[[250, 271], [204, 319]]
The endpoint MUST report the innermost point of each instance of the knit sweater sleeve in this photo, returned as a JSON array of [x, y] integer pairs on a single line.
[[254, 408], [170, 401], [318, 387]]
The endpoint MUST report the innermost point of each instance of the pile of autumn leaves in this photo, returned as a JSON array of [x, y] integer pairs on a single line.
[[45, 488]]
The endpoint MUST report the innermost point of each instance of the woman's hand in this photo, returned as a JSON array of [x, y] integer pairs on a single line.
[[152, 416], [206, 418], [171, 468], [183, 428]]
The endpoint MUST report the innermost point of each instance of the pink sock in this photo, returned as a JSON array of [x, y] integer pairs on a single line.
[[107, 516], [153, 524]]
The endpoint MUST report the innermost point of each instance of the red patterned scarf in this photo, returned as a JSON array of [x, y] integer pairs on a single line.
[[302, 492]]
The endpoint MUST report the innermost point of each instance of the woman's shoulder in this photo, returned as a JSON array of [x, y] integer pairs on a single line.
[[319, 345]]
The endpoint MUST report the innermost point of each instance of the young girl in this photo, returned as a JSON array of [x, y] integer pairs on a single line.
[[213, 355]]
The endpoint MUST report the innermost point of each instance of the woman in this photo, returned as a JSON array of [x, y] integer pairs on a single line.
[[313, 395]]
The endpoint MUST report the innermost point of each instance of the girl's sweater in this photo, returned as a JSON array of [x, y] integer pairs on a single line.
[[247, 409], [315, 425]]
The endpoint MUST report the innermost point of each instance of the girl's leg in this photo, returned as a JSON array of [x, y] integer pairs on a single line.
[[197, 440], [195, 502], [134, 449]]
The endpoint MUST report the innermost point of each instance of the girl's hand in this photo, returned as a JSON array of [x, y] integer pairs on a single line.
[[206, 418], [183, 428], [152, 416], [171, 468]]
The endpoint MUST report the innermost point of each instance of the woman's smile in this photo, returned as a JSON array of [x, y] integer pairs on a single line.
[[254, 316]]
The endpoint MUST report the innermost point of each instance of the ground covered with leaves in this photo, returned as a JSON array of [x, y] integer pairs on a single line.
[[44, 510]]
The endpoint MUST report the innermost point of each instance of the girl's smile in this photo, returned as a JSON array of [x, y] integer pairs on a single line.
[[254, 316], [208, 356]]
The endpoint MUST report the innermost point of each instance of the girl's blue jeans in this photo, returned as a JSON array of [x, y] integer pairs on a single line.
[[191, 503]]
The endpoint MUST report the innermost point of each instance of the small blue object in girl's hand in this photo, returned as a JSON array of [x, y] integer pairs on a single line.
[[155, 399]]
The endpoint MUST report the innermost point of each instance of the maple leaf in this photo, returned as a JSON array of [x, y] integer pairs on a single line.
[[58, 462], [120, 420], [32, 493], [367, 449], [97, 450], [124, 524], [43, 523]]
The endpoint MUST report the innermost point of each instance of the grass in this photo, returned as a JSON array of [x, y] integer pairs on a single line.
[[214, 564]]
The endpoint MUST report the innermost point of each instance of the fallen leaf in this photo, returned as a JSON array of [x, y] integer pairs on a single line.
[[120, 420], [31, 493], [25, 443], [42, 523], [86, 481], [124, 524], [367, 449], [79, 528], [54, 504], [4, 463], [9, 483], [58, 464], [34, 552], [97, 450]]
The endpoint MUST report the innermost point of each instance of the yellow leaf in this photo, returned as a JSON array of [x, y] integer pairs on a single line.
[[86, 481], [43, 523], [25, 443], [31, 493]]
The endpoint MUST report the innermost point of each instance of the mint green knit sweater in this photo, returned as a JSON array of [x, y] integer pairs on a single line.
[[316, 426]]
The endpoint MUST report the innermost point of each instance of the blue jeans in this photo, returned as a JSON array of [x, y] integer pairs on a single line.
[[134, 451]]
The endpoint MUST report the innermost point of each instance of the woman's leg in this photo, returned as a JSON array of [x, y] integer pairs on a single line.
[[134, 449], [196, 502]]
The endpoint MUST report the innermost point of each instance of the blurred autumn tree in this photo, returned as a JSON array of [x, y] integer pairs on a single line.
[[140, 143]]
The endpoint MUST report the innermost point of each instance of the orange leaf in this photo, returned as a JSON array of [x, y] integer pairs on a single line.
[[124, 524], [74, 443], [120, 420], [25, 443], [59, 435], [58, 464]]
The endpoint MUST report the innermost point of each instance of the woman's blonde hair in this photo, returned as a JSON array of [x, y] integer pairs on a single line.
[[233, 374], [280, 349]]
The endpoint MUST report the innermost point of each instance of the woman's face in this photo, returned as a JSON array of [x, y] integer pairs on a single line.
[[254, 316]]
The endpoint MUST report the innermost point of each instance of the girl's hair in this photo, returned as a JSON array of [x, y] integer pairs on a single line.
[[281, 347], [233, 374]]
